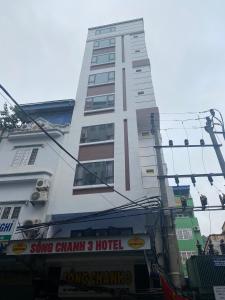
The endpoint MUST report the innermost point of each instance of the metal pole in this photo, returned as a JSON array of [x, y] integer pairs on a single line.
[[209, 129], [172, 257]]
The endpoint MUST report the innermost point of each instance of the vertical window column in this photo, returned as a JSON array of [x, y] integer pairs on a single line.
[[126, 154], [124, 90], [122, 46]]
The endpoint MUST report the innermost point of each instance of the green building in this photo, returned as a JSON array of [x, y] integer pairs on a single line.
[[187, 227]]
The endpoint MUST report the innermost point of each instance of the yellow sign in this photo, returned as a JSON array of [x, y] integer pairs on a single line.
[[19, 247], [136, 242], [90, 278]]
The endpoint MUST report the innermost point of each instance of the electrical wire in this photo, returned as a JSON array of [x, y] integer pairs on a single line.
[[74, 169], [94, 216], [184, 113], [63, 148], [180, 128]]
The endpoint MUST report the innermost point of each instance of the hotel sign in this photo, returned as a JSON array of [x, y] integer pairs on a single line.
[[61, 246]]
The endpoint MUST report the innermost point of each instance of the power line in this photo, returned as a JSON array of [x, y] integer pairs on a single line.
[[143, 212], [62, 148], [184, 113], [90, 216], [72, 168]]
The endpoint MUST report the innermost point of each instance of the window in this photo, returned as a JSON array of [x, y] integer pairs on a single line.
[[137, 51], [104, 43], [100, 102], [24, 156], [6, 212], [141, 93], [97, 133], [105, 30], [103, 169], [16, 212], [185, 255], [103, 59], [101, 78], [138, 70], [184, 234]]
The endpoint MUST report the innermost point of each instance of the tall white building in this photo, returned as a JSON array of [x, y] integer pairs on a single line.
[[110, 129], [111, 135]]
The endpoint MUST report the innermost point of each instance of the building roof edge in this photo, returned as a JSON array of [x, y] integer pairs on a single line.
[[117, 23]]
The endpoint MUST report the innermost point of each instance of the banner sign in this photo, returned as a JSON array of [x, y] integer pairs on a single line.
[[59, 246], [219, 292], [6, 227], [94, 281]]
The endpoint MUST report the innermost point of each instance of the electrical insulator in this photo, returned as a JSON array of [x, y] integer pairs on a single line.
[[183, 202], [176, 180], [202, 142], [212, 112], [222, 200], [204, 201], [210, 179], [170, 143], [193, 180], [186, 142]]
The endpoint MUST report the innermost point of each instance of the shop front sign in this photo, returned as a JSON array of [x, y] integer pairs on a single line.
[[58, 246], [96, 280]]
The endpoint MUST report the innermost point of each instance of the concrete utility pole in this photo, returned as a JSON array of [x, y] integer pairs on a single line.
[[209, 129], [172, 259]]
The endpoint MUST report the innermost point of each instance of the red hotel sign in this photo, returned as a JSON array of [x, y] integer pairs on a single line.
[[55, 246]]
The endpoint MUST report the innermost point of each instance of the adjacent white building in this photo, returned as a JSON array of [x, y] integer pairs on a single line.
[[28, 161]]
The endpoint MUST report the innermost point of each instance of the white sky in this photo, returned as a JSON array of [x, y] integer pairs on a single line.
[[42, 44]]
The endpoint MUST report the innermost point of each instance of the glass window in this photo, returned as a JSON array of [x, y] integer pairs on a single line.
[[104, 43], [16, 212], [184, 234], [103, 58], [24, 156], [100, 102], [6, 212], [105, 30], [33, 156], [90, 134], [103, 169], [185, 255], [101, 78]]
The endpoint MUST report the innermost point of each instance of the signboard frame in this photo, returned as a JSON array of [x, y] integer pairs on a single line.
[[79, 245]]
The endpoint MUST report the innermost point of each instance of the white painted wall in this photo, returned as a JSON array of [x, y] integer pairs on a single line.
[[64, 201], [18, 183]]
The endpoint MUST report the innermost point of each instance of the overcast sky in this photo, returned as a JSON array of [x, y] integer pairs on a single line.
[[42, 44]]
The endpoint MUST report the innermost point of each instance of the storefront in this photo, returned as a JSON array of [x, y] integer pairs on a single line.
[[109, 267]]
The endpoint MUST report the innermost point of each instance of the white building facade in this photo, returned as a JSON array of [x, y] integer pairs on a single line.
[[111, 136], [28, 159], [110, 129]]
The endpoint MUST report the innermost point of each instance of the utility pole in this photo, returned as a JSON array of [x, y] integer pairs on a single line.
[[209, 128], [172, 257]]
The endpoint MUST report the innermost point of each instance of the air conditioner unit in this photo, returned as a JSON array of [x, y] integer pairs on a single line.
[[39, 197], [42, 184], [33, 233]]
